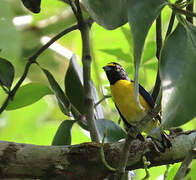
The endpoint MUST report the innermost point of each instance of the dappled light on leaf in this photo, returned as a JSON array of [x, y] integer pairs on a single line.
[[177, 69]]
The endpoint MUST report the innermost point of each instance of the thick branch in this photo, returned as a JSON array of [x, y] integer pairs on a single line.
[[84, 28], [83, 161]]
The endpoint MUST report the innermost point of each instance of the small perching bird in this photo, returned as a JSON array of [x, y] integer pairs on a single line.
[[122, 90]]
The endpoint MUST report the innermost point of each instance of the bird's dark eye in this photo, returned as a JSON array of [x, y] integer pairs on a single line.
[[118, 69]]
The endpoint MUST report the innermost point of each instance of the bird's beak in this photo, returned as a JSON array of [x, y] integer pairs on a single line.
[[106, 68]]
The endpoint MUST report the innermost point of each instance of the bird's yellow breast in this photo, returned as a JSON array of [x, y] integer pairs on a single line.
[[123, 96]]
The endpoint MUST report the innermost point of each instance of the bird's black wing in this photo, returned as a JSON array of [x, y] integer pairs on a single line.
[[146, 96]]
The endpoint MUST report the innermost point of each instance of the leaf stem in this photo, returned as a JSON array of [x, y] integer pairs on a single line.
[[102, 153], [159, 46], [171, 23], [177, 9], [101, 100], [131, 135]]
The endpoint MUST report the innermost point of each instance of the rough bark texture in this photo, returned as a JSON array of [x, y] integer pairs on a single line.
[[83, 161]]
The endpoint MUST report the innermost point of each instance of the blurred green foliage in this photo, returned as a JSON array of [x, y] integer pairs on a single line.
[[38, 123]]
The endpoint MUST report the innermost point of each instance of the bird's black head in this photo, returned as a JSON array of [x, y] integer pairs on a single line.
[[115, 72]]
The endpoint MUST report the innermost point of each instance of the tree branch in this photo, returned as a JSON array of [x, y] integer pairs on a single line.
[[83, 161], [84, 28]]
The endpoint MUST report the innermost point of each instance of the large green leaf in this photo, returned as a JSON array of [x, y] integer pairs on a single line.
[[108, 13], [114, 131], [141, 15], [177, 70], [74, 85], [28, 94], [6, 73], [63, 134], [60, 95], [118, 53]]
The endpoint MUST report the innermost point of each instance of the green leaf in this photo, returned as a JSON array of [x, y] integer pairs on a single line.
[[149, 52], [60, 95], [75, 91], [63, 134], [28, 94], [108, 13], [114, 131], [118, 53], [177, 71], [74, 85], [141, 15], [6, 73], [32, 5]]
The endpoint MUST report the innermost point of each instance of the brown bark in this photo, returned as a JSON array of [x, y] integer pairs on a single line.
[[83, 161]]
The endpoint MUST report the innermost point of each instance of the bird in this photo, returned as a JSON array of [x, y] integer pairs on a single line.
[[122, 91]]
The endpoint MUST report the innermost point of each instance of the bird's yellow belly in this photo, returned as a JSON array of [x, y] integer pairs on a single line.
[[123, 95]]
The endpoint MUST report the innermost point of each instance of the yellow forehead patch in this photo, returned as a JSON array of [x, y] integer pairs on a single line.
[[110, 64]]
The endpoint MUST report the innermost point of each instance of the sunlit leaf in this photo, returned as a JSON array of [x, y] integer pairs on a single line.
[[108, 13], [114, 131], [177, 70], [60, 95], [28, 94], [128, 37], [118, 53], [63, 134], [74, 85], [149, 52], [6, 73]]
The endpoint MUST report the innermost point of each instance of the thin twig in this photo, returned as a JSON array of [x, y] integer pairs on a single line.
[[101, 100], [166, 172], [54, 39], [102, 153], [182, 11], [158, 36], [159, 46], [171, 23], [146, 165], [131, 135], [190, 8], [32, 60]]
